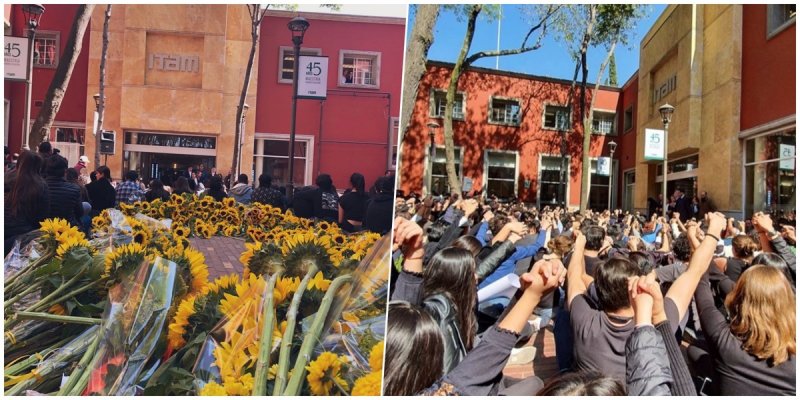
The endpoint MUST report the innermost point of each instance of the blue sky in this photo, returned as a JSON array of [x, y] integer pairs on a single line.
[[552, 59]]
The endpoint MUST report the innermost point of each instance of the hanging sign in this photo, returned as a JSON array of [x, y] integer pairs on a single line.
[[15, 50], [653, 145], [312, 79], [787, 157], [603, 166]]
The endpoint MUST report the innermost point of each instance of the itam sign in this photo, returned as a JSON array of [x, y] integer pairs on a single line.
[[16, 58], [312, 79]]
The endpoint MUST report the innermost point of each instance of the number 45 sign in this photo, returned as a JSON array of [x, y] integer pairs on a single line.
[[312, 79], [15, 51]]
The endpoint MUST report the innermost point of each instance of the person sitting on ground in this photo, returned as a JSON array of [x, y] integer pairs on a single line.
[[101, 192], [326, 200], [65, 197], [156, 191], [26, 199], [129, 191], [45, 151], [242, 192], [266, 194], [378, 216]]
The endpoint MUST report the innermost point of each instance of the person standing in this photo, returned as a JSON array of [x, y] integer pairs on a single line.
[[129, 191], [683, 205], [353, 204], [242, 192], [26, 199], [706, 206], [101, 192], [65, 197]]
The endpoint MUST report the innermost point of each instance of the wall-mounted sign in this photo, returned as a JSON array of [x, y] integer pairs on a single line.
[[15, 51], [653, 144], [173, 62], [312, 79], [659, 92], [603, 166], [787, 157]]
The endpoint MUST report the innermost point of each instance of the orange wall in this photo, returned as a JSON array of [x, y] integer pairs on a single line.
[[768, 69], [475, 134]]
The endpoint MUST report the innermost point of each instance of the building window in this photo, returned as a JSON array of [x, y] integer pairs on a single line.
[[439, 102], [603, 123], [69, 140], [286, 60], [501, 174], [598, 190], [271, 157], [504, 111], [628, 119], [393, 143], [438, 179], [556, 117], [7, 114], [630, 184], [550, 180], [779, 16], [45, 49], [359, 68], [769, 169]]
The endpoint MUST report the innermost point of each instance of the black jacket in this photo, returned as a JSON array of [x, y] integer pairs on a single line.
[[378, 217], [65, 200], [647, 365], [498, 254], [102, 194]]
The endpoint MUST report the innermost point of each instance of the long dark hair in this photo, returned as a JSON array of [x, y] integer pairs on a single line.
[[451, 272], [358, 182], [414, 350], [28, 186], [181, 185], [587, 383]]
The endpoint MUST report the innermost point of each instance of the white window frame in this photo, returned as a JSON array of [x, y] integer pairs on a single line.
[[282, 50], [556, 128], [434, 110], [631, 187], [393, 147], [493, 121], [309, 139], [376, 68], [627, 127], [539, 179], [614, 176], [7, 114], [773, 28], [486, 170], [459, 155], [612, 114], [56, 37]]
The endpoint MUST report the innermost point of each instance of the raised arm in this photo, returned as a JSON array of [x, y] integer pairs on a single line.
[[681, 291], [575, 283], [408, 238]]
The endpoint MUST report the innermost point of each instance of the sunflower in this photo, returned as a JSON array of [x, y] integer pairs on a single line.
[[319, 282], [249, 290], [99, 223], [248, 254], [323, 226], [177, 328], [125, 255], [338, 239], [324, 373], [180, 231], [142, 236], [223, 283], [198, 270], [212, 389], [284, 288], [228, 202], [69, 243], [368, 385], [376, 357]]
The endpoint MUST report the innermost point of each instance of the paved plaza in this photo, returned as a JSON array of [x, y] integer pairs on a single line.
[[222, 254]]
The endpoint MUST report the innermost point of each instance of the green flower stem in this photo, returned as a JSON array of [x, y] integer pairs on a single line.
[[67, 319], [265, 340], [60, 289], [312, 338], [68, 296], [24, 293], [286, 341], [80, 369], [33, 359]]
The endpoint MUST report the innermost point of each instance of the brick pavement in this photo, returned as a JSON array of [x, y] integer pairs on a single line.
[[222, 254], [544, 364]]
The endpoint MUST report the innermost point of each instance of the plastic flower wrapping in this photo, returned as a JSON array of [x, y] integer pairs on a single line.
[[129, 309]]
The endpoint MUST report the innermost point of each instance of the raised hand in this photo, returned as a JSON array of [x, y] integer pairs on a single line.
[[545, 276], [408, 237]]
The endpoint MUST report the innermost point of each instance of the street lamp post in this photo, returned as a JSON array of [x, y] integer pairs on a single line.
[[432, 127], [612, 147], [298, 27], [33, 13], [666, 116], [245, 107]]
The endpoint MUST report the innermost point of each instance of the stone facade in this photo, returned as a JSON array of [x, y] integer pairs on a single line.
[[700, 46], [175, 69]]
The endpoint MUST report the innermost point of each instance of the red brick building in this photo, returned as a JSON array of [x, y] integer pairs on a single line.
[[507, 136]]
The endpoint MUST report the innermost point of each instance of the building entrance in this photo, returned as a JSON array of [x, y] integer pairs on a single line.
[[160, 165], [160, 155]]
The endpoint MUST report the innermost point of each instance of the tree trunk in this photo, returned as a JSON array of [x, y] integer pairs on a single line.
[[256, 15], [101, 108], [58, 86], [587, 134], [419, 43], [452, 179]]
